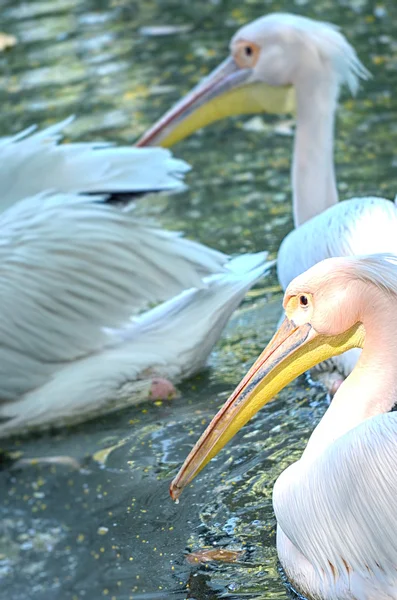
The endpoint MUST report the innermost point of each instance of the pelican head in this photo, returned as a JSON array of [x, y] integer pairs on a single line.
[[269, 59], [329, 309]]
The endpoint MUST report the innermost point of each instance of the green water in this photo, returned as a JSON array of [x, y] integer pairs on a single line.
[[111, 531]]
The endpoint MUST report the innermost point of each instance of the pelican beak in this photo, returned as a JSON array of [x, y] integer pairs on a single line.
[[228, 90], [293, 350]]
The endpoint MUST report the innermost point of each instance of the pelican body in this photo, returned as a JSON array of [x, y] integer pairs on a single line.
[[283, 63], [75, 270], [335, 507]]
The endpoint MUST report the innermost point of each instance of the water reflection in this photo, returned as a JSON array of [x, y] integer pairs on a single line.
[[108, 529]]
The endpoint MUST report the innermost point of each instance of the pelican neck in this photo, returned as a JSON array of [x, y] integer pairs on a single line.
[[313, 175]]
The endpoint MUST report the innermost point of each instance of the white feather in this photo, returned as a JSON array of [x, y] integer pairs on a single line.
[[71, 266], [350, 490], [357, 226], [32, 162], [172, 340]]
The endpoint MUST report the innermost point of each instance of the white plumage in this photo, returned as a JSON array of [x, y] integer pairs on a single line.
[[336, 516], [352, 227], [34, 161], [172, 340], [74, 268]]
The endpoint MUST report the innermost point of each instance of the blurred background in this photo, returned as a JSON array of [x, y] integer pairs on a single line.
[[100, 524]]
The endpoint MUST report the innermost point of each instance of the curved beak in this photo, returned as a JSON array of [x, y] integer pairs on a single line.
[[228, 90], [293, 350]]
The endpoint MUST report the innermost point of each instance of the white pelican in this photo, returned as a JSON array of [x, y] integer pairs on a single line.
[[287, 63], [75, 269], [335, 507]]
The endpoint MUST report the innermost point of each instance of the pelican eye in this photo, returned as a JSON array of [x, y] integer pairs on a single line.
[[303, 300], [245, 54]]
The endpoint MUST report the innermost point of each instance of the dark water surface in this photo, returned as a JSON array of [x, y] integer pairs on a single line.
[[109, 529]]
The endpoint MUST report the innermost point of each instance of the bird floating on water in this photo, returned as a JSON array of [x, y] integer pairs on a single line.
[[75, 269], [283, 63], [335, 507]]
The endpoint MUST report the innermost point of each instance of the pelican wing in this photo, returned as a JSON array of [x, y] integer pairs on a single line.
[[356, 226], [342, 517], [72, 266], [81, 167], [121, 374]]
